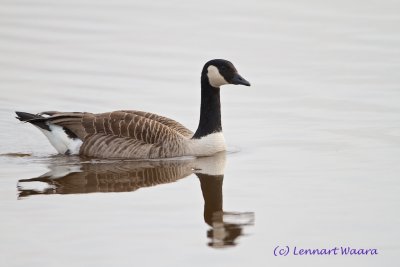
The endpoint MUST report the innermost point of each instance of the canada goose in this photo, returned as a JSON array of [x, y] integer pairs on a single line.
[[141, 135]]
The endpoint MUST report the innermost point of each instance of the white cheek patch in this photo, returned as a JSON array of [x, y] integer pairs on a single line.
[[214, 77]]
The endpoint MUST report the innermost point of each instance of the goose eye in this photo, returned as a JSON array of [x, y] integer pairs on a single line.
[[223, 68]]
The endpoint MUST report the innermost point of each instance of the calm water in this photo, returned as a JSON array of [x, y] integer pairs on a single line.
[[314, 144]]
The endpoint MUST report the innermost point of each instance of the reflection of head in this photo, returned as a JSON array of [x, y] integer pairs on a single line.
[[223, 234]]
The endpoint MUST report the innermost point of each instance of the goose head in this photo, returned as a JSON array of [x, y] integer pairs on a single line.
[[219, 72]]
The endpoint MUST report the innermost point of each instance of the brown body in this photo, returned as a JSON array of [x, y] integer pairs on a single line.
[[124, 134]]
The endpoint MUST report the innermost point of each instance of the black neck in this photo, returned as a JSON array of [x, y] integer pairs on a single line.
[[210, 110]]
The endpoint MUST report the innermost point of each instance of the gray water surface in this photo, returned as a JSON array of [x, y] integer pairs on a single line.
[[316, 139]]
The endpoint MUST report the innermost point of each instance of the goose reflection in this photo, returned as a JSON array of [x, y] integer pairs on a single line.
[[127, 176]]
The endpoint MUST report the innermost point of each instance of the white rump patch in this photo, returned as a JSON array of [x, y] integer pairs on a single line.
[[214, 77], [61, 141]]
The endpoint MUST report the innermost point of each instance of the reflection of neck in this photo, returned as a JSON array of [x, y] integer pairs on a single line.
[[210, 110], [211, 187]]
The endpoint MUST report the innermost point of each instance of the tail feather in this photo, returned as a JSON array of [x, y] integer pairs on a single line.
[[24, 116], [34, 119], [57, 128]]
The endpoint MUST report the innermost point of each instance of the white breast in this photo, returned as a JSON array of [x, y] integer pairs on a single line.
[[207, 145]]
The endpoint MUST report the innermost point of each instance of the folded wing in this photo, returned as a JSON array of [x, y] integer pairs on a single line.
[[124, 134]]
